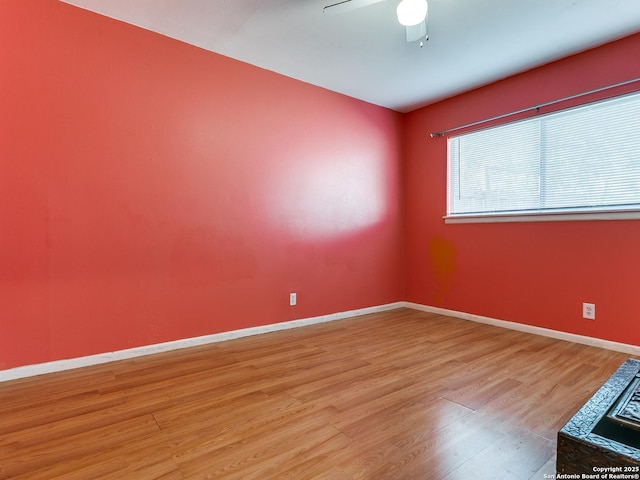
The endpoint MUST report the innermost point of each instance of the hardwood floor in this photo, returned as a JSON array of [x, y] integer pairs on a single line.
[[395, 395]]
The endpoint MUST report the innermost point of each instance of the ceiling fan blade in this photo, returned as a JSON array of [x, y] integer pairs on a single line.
[[348, 5], [417, 32]]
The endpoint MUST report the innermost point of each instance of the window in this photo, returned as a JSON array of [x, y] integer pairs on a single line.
[[576, 161]]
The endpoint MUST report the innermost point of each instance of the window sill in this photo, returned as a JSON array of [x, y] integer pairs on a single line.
[[564, 216]]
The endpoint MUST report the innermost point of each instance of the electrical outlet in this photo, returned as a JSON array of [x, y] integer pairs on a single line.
[[293, 299], [589, 311]]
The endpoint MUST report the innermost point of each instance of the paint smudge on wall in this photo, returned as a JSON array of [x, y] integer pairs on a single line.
[[442, 259]]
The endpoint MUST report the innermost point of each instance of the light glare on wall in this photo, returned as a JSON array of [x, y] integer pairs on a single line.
[[412, 12]]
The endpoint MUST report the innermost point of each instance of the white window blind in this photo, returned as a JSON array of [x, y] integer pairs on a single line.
[[583, 159]]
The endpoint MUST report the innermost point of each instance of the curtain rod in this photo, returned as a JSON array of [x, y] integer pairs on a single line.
[[535, 107]]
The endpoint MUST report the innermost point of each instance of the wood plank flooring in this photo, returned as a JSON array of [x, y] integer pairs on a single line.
[[395, 395]]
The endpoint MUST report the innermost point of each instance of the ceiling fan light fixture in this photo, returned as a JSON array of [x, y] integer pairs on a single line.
[[412, 12]]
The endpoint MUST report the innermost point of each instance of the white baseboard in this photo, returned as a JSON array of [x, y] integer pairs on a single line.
[[570, 337], [73, 363]]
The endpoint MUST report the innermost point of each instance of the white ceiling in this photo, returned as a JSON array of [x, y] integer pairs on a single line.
[[364, 54]]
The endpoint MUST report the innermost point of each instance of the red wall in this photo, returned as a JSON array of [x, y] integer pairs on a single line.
[[532, 273], [152, 191]]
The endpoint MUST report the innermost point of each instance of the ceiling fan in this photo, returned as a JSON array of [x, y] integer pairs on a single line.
[[411, 13]]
